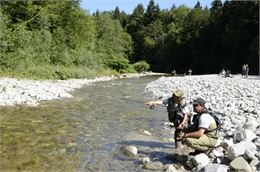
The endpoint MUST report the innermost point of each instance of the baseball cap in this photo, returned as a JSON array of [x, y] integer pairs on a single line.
[[199, 101]]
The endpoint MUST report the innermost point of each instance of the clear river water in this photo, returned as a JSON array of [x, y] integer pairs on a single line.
[[85, 133]]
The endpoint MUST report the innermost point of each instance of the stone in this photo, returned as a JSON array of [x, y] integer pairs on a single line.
[[156, 165], [147, 133], [227, 143], [254, 162], [129, 151], [145, 160], [200, 160], [171, 168], [245, 134], [240, 149], [215, 168], [240, 163]]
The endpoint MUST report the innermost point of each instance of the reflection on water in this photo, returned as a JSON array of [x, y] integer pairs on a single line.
[[80, 134]]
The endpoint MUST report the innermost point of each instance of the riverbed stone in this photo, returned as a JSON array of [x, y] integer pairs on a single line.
[[240, 163], [201, 160], [154, 165], [129, 150], [244, 134], [240, 149], [171, 168], [215, 168]]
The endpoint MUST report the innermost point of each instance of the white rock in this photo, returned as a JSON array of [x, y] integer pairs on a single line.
[[171, 168], [147, 133], [130, 150], [244, 134], [200, 160], [215, 168], [240, 149]]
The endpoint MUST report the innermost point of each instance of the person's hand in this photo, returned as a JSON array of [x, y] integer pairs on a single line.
[[181, 126], [182, 136], [151, 105]]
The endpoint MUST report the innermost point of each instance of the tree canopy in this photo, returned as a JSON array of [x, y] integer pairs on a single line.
[[59, 39]]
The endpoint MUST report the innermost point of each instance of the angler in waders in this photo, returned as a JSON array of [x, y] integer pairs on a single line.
[[203, 134], [177, 111]]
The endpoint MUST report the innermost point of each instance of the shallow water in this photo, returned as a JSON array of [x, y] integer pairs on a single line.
[[84, 133]]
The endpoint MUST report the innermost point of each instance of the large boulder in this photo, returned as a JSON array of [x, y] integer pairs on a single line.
[[244, 134], [240, 149]]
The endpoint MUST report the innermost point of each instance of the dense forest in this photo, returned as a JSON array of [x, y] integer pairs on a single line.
[[58, 39]]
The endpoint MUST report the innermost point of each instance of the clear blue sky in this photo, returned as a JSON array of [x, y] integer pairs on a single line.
[[129, 5]]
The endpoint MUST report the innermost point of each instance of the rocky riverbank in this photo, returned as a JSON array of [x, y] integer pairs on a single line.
[[31, 92], [238, 102]]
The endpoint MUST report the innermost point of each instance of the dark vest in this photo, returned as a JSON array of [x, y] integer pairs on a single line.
[[175, 113]]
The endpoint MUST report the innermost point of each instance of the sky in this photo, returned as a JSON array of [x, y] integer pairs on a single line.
[[129, 5]]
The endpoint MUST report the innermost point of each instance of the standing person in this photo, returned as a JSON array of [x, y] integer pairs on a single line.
[[177, 111], [203, 134], [190, 72], [243, 71], [247, 70], [173, 72]]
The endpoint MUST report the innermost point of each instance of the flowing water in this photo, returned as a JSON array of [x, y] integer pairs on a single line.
[[85, 133]]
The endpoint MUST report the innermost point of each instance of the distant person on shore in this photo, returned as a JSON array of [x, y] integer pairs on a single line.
[[247, 70], [228, 74], [177, 111], [244, 71], [202, 135], [174, 72], [190, 72], [223, 73]]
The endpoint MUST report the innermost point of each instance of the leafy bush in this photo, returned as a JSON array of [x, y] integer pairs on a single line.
[[141, 66], [118, 63]]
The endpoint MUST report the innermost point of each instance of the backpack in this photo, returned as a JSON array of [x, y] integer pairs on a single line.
[[215, 116]]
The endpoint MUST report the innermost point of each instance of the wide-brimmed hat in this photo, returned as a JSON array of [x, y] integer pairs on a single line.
[[199, 101], [179, 93]]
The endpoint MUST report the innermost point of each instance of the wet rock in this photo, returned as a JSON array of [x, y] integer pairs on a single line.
[[171, 168], [129, 151], [145, 160], [147, 133], [156, 165]]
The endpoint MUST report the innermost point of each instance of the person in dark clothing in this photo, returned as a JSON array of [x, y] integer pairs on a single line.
[[177, 111]]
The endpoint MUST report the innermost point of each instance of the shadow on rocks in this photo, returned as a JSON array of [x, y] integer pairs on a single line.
[[150, 144]]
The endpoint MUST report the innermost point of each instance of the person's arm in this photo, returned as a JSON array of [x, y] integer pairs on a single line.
[[185, 119], [196, 134], [156, 102], [185, 111]]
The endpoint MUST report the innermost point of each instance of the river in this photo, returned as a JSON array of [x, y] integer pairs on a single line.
[[85, 133]]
